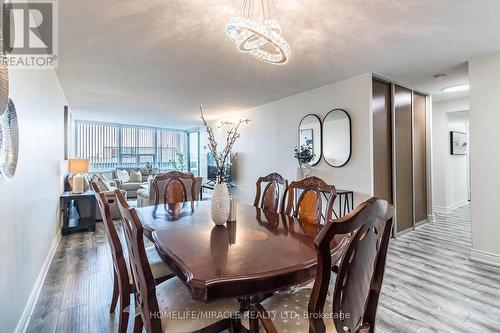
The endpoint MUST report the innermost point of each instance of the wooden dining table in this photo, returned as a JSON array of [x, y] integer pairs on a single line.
[[261, 252]]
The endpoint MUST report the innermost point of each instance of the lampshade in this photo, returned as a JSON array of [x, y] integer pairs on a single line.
[[77, 165]]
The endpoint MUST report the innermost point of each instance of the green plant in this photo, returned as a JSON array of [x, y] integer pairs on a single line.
[[303, 154], [148, 167], [179, 164]]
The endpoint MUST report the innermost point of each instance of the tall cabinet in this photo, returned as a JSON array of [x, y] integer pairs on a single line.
[[400, 151]]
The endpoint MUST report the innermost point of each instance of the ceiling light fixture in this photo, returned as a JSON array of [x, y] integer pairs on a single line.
[[257, 32], [456, 88]]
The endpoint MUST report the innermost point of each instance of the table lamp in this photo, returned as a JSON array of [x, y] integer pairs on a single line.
[[78, 166]]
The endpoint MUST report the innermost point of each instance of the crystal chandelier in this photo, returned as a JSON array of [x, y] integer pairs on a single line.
[[257, 32]]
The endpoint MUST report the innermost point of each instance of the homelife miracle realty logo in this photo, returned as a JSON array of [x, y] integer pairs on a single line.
[[29, 33]]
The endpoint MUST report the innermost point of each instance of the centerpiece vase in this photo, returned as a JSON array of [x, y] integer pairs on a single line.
[[306, 170], [300, 173], [220, 204]]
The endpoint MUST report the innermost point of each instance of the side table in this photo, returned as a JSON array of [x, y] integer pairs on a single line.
[[78, 211]]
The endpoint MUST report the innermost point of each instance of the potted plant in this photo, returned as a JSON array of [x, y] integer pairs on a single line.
[[178, 164], [220, 197], [304, 156]]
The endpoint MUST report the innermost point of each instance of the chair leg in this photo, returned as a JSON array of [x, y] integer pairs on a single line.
[[254, 325], [114, 300], [138, 324], [124, 312]]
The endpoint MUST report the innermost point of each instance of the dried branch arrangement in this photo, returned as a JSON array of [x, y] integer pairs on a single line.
[[221, 158]]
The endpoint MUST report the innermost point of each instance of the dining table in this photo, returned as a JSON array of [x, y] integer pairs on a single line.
[[257, 254]]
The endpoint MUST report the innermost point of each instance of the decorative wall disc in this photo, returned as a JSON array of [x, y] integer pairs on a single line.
[[4, 84], [9, 141]]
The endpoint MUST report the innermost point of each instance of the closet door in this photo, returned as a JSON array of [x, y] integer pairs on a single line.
[[403, 166], [382, 140], [419, 157]]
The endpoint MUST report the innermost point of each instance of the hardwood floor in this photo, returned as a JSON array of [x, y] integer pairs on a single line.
[[430, 284]]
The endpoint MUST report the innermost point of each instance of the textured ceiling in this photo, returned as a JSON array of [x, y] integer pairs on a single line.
[[155, 61]]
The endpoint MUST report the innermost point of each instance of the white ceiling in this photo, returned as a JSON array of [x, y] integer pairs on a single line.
[[155, 61]]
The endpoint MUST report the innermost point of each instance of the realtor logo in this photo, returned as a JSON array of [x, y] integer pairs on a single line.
[[29, 38]]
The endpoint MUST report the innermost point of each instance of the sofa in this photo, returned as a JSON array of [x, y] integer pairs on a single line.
[[131, 187], [145, 197]]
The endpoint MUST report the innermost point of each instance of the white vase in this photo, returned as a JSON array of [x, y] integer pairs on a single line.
[[300, 173], [306, 170], [220, 204]]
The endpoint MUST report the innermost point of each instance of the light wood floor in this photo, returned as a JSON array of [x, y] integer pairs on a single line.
[[430, 284]]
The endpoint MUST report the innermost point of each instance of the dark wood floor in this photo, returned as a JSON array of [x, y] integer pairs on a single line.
[[430, 285]]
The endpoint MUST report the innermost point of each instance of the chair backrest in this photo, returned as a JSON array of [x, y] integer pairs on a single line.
[[101, 182], [113, 238], [361, 271], [311, 194], [269, 199], [174, 187], [145, 291]]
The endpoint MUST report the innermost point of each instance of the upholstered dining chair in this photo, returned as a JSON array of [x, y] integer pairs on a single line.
[[122, 285], [353, 306], [173, 189], [305, 199], [161, 308], [269, 198]]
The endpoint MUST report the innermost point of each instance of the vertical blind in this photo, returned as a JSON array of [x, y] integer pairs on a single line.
[[115, 145]]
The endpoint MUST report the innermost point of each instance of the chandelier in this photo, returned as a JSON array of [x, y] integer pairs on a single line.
[[257, 32]]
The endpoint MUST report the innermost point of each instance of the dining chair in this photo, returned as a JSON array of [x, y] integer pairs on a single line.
[[358, 282], [122, 284], [269, 198], [173, 189], [167, 308], [311, 193]]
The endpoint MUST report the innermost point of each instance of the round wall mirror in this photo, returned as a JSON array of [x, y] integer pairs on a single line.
[[310, 135], [337, 138]]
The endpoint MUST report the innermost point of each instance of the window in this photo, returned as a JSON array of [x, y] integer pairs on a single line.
[[194, 152], [108, 146]]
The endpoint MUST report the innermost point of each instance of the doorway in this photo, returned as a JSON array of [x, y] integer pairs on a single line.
[[451, 162]]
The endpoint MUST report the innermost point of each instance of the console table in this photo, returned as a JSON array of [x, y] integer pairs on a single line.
[[78, 211]]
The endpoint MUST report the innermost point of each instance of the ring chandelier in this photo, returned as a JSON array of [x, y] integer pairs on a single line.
[[258, 33]]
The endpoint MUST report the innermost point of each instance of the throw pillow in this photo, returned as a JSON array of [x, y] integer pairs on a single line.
[[123, 175], [135, 176]]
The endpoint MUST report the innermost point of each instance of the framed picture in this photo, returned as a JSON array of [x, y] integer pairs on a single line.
[[67, 132], [306, 138], [459, 143]]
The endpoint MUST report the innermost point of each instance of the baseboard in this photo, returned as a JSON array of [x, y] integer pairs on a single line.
[[22, 324], [485, 257], [431, 218], [418, 224], [401, 233], [448, 209]]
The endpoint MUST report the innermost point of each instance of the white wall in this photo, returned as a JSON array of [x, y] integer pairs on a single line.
[[266, 144], [450, 172], [484, 78], [29, 202]]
